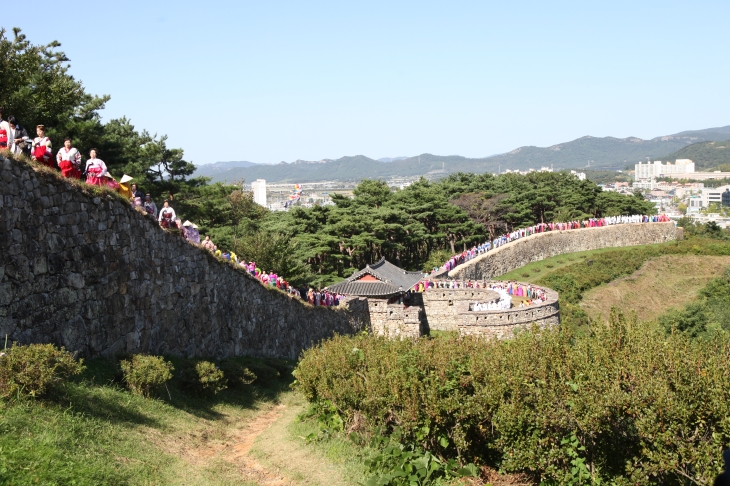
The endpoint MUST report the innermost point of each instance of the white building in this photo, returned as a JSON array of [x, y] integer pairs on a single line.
[[713, 195], [259, 192], [580, 175], [651, 170]]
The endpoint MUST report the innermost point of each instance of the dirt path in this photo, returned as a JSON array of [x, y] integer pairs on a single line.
[[255, 450], [280, 451], [670, 281]]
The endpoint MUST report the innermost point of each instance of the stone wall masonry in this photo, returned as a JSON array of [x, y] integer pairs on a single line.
[[442, 306], [502, 324], [86, 271], [537, 247], [395, 320]]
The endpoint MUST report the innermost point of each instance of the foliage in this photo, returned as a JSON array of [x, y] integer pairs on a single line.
[[273, 252], [397, 464], [146, 374], [237, 374], [625, 404], [708, 314], [32, 370], [36, 88], [572, 281], [424, 222], [203, 378], [94, 432]]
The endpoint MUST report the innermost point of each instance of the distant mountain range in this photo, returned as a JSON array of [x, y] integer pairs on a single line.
[[596, 151]]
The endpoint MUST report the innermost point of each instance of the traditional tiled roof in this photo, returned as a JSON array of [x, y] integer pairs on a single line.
[[390, 280]]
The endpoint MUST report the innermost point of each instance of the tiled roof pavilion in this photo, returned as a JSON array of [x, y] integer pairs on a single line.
[[381, 279]]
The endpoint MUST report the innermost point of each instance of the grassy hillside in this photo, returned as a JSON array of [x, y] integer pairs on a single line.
[[93, 431], [706, 155], [599, 151]]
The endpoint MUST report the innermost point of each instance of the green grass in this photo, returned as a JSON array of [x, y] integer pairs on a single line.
[[93, 431], [538, 270], [574, 274]]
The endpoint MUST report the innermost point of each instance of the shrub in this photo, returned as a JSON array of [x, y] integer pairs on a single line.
[[525, 275], [146, 374], [34, 369], [237, 374], [626, 404], [203, 378], [550, 266]]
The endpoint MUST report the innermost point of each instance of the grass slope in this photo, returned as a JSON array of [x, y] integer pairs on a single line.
[[95, 432], [662, 283]]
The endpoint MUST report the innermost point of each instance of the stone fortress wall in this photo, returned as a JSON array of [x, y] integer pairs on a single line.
[[448, 310], [539, 246], [82, 269], [86, 271]]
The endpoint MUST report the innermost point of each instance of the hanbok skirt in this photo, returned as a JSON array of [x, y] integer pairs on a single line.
[[44, 156], [69, 170], [94, 177]]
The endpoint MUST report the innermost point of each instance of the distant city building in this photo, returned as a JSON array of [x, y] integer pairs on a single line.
[[713, 195], [652, 170], [580, 175], [645, 184], [259, 192], [694, 204], [726, 198]]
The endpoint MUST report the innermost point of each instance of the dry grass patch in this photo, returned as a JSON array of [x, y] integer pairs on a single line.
[[663, 283]]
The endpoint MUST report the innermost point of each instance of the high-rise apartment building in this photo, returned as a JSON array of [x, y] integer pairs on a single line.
[[652, 170], [259, 191]]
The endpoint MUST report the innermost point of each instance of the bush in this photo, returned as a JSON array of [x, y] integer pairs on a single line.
[[34, 369], [237, 374], [626, 404], [203, 378], [146, 374]]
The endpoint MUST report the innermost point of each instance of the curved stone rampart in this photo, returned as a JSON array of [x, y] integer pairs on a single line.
[[503, 323], [539, 246], [86, 271], [448, 310]]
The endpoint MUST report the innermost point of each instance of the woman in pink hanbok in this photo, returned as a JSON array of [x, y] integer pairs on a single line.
[[97, 174]]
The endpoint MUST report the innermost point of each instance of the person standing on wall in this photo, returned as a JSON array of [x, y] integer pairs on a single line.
[[97, 174], [19, 141], [167, 216], [69, 160], [42, 148], [4, 132]]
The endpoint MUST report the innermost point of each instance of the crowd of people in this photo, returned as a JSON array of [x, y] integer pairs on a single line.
[[68, 160], [487, 246]]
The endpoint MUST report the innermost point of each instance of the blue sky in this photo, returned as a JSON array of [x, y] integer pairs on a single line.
[[273, 81]]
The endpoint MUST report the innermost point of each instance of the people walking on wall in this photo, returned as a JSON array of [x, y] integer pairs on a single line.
[[4, 132], [167, 216], [69, 160], [207, 243], [96, 172], [136, 192], [41, 151], [150, 206], [18, 139]]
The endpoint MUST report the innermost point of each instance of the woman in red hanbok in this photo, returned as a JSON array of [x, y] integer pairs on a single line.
[[41, 151], [69, 160]]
